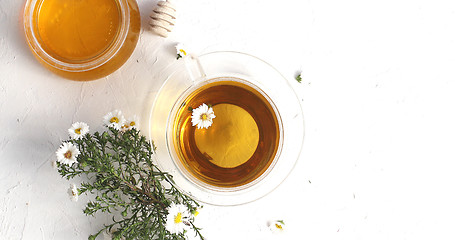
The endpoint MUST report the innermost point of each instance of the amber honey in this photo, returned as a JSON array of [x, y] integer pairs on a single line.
[[77, 30], [82, 39], [241, 143]]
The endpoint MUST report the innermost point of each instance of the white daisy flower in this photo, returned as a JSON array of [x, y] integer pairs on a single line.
[[115, 119], [78, 130], [73, 192], [67, 153], [131, 123], [276, 226], [202, 116], [181, 52], [176, 218]]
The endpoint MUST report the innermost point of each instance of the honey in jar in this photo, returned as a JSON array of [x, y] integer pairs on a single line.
[[82, 39]]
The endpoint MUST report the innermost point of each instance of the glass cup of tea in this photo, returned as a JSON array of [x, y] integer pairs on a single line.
[[254, 140]]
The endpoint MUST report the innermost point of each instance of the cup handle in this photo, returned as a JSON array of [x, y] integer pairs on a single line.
[[194, 68]]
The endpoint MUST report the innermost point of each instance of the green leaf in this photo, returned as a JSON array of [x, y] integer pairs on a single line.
[[299, 78]]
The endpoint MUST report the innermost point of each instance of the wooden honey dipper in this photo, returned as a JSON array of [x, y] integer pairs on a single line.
[[162, 18]]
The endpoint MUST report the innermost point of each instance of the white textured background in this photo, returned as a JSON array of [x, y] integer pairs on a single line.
[[378, 95]]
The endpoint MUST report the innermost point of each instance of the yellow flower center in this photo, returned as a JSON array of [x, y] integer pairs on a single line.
[[278, 226], [114, 120], [77, 130], [178, 218], [68, 154], [196, 213], [182, 51], [132, 123], [204, 116]]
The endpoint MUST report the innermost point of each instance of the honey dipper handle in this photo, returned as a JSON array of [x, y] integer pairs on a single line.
[[162, 18]]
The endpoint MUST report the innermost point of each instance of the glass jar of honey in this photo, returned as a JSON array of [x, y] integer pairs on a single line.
[[82, 39]]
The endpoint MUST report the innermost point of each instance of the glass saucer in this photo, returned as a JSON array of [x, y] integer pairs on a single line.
[[258, 73]]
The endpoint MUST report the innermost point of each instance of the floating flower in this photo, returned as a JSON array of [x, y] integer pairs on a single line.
[[73, 192], [276, 226], [176, 218], [202, 116], [115, 119], [78, 130], [67, 153], [131, 123], [181, 52]]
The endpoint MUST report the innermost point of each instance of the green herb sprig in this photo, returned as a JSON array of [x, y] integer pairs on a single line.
[[123, 179], [298, 78]]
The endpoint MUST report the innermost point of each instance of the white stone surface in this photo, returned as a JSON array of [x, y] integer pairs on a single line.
[[377, 93]]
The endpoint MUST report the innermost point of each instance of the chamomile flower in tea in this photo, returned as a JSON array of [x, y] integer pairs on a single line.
[[203, 116]]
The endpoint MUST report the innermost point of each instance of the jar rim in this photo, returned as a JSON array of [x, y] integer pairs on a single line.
[[84, 65]]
